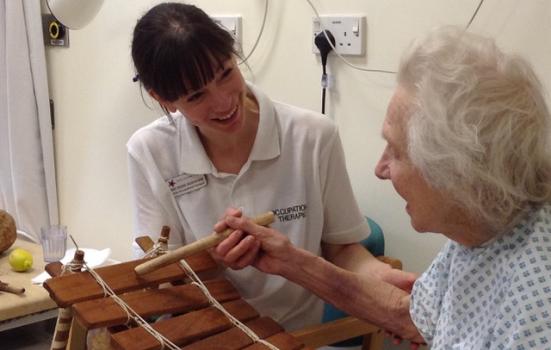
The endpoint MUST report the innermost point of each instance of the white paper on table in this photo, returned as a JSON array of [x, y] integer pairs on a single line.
[[92, 257]]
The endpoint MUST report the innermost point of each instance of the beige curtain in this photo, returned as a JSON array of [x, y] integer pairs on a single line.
[[27, 173]]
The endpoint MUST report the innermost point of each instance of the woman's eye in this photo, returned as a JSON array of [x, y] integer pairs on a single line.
[[194, 97], [226, 73]]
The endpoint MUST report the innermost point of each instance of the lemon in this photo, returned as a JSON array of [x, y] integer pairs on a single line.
[[20, 260]]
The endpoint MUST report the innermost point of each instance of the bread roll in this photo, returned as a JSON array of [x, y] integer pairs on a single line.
[[8, 233]]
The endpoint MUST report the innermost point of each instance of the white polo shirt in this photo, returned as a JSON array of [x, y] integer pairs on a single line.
[[296, 169]]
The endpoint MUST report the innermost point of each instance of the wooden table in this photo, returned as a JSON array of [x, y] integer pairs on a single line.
[[35, 304]]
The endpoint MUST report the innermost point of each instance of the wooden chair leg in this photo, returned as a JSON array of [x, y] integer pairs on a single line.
[[62, 328], [373, 341], [77, 336]]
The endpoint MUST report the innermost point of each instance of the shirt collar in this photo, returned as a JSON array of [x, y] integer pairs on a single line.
[[266, 144], [194, 159]]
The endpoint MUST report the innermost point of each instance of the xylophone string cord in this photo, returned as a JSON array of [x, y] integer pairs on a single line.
[[215, 303], [157, 249], [134, 316], [131, 314]]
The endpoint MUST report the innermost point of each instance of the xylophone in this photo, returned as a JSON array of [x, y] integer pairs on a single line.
[[193, 323]]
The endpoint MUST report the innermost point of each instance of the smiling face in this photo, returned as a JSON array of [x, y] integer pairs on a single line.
[[217, 108], [429, 209]]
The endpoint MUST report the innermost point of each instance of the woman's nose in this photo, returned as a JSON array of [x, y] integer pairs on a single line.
[[221, 101], [381, 169]]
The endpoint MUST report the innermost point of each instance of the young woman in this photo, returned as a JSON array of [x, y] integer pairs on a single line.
[[224, 143]]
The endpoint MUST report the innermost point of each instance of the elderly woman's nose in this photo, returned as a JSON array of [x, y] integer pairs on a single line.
[[381, 169]]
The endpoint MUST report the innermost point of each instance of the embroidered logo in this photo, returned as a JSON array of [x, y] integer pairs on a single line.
[[296, 212]]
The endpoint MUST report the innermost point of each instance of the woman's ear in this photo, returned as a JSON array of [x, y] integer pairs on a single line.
[[165, 104]]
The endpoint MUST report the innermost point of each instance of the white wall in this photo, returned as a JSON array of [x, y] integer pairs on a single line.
[[98, 107]]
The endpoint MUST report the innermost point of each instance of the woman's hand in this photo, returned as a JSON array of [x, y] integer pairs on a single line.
[[238, 250], [276, 251], [250, 244]]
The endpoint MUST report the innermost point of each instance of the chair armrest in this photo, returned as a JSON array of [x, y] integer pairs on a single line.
[[395, 263], [334, 331], [331, 332]]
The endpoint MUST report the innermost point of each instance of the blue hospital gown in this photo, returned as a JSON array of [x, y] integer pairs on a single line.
[[497, 296]]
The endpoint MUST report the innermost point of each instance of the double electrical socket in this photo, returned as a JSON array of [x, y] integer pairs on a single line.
[[348, 30]]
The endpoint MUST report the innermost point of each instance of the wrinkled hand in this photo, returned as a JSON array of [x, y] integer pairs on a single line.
[[397, 340], [404, 330], [398, 278], [238, 250]]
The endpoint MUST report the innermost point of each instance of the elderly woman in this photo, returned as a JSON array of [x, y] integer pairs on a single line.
[[468, 149], [467, 134]]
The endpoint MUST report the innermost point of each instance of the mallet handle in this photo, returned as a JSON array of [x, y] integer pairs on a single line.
[[204, 243], [4, 287]]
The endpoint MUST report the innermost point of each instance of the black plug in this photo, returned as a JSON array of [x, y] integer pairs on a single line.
[[323, 45]]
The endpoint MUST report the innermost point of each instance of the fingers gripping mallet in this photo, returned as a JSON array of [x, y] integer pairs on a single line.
[[210, 241]]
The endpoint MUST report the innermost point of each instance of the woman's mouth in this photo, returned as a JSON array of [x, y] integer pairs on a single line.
[[227, 118]]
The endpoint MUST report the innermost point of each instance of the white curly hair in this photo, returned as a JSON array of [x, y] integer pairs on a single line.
[[479, 129]]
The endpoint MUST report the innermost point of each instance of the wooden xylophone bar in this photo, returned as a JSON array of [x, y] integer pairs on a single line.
[[193, 324]]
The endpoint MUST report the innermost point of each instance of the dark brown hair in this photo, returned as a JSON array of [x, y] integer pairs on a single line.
[[177, 48]]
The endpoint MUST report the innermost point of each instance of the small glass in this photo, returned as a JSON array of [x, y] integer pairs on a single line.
[[54, 242]]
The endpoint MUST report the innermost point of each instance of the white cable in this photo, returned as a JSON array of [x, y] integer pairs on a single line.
[[366, 69], [335, 50], [266, 2]]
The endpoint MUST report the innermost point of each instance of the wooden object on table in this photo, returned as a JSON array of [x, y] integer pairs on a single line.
[[196, 325], [5, 287], [209, 241]]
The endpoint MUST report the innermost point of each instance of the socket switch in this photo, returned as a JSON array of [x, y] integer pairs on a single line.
[[348, 30]]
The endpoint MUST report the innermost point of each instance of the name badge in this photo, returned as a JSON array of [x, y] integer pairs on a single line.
[[185, 183]]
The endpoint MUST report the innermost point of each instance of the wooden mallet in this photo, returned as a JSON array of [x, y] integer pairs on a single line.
[[204, 243], [4, 287]]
